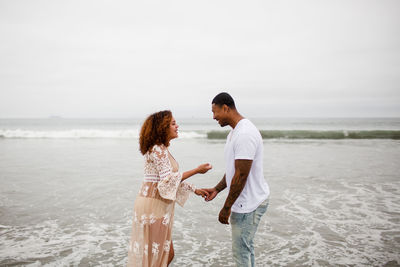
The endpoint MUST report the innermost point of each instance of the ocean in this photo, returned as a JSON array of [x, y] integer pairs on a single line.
[[67, 188]]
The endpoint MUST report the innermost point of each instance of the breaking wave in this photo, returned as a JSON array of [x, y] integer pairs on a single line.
[[306, 134], [85, 134], [266, 134]]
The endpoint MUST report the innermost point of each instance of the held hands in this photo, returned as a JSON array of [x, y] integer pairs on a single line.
[[225, 212], [203, 168], [212, 193], [201, 192]]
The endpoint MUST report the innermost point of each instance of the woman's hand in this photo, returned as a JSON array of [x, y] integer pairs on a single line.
[[203, 168], [201, 192]]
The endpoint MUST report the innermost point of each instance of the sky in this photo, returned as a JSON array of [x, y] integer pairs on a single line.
[[123, 59]]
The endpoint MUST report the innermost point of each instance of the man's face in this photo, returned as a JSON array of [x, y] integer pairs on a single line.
[[220, 114]]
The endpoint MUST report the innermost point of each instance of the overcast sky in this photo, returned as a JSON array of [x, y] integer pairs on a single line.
[[130, 58]]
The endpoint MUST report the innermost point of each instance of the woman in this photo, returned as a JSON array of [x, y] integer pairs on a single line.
[[163, 185]]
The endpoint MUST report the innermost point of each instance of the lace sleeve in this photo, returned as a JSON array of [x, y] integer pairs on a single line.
[[183, 193], [169, 180]]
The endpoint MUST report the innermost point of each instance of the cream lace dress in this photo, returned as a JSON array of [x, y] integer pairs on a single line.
[[154, 209]]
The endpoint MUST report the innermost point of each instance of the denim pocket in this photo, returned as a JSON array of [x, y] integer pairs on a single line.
[[259, 212], [237, 218]]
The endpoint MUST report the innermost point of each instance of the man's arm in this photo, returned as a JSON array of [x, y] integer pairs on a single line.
[[242, 169], [221, 185]]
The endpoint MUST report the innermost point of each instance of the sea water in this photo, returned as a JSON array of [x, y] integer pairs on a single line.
[[67, 189]]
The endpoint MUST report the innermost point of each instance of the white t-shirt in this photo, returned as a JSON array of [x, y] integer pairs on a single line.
[[245, 142]]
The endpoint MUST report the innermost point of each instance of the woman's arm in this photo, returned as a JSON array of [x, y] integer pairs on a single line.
[[170, 184], [203, 168], [185, 188]]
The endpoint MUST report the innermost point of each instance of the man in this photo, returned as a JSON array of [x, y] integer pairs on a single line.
[[248, 194]]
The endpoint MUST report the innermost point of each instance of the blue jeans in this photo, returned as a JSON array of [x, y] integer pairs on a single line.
[[244, 227]]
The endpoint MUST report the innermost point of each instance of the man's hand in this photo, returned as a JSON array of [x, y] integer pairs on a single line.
[[212, 193], [224, 215]]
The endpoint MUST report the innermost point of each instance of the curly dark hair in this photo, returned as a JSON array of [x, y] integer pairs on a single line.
[[154, 130]]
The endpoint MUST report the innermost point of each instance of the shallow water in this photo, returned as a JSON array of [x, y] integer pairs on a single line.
[[69, 202]]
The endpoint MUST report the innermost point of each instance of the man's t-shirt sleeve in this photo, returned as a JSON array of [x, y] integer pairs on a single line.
[[245, 147]]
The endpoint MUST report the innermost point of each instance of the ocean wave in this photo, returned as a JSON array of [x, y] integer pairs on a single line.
[[85, 134], [134, 134], [307, 134]]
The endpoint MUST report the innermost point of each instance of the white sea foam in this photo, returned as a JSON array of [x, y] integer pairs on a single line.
[[191, 135], [50, 244], [333, 228], [86, 133], [73, 133]]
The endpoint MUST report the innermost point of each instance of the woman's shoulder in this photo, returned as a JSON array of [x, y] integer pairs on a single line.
[[157, 150]]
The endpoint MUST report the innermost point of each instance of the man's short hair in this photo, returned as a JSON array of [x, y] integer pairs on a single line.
[[224, 99]]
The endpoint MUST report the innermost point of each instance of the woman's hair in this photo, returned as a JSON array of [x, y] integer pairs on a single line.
[[155, 130]]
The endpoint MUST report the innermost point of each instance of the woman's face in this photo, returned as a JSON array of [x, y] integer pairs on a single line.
[[173, 129]]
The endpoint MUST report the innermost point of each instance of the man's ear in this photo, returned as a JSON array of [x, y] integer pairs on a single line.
[[225, 108]]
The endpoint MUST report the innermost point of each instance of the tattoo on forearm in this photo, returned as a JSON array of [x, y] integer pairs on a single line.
[[235, 190], [221, 185], [242, 169]]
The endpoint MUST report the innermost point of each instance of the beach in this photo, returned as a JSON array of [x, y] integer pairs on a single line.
[[67, 189]]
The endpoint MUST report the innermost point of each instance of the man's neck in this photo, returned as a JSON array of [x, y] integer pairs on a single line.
[[235, 120]]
